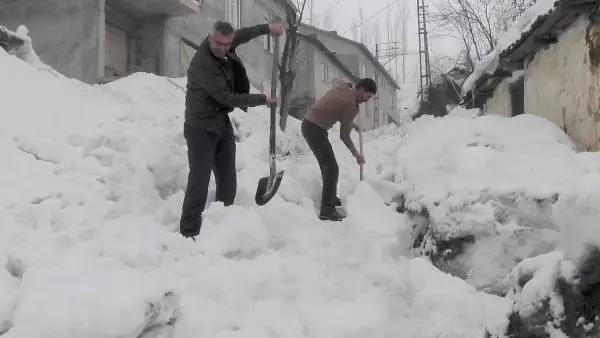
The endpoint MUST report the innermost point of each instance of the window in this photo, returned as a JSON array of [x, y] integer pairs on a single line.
[[235, 13], [325, 73]]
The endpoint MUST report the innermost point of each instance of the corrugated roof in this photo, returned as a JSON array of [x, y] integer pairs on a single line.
[[526, 33], [562, 15]]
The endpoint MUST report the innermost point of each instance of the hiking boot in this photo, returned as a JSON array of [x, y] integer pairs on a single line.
[[331, 216]]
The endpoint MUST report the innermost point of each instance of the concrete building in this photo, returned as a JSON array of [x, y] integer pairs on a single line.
[[362, 63], [553, 71], [101, 40], [317, 67]]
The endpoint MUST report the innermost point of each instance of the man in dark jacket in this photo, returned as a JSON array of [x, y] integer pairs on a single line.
[[217, 83]]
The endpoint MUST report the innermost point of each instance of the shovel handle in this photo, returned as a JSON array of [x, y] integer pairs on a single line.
[[360, 146], [274, 78]]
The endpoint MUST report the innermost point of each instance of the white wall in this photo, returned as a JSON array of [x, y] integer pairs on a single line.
[[562, 85], [334, 72], [500, 102]]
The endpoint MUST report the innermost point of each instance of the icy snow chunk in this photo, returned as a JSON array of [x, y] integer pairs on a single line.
[[487, 65], [578, 214], [99, 298], [443, 299], [233, 230], [8, 297], [534, 280], [487, 178]]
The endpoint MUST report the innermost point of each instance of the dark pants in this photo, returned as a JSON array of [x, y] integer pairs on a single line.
[[207, 152], [318, 141]]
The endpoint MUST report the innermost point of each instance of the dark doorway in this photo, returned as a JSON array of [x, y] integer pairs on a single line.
[[517, 96]]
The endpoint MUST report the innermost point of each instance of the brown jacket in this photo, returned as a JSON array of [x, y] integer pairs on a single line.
[[337, 105]]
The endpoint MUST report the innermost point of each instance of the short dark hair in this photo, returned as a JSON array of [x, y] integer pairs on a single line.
[[223, 27], [368, 84]]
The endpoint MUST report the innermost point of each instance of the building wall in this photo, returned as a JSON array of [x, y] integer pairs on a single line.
[[143, 52], [561, 84], [500, 102], [320, 84], [309, 84], [196, 27], [64, 33]]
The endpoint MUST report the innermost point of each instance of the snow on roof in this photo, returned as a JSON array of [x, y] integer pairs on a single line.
[[517, 31]]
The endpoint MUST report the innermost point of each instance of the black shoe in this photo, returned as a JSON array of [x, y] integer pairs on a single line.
[[331, 216], [188, 231]]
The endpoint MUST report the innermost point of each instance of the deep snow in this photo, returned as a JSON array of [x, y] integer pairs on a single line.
[[516, 185], [93, 180]]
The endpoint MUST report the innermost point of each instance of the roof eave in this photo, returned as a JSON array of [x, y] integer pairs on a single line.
[[147, 8]]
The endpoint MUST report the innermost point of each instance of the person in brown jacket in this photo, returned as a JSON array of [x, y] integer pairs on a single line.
[[340, 104]]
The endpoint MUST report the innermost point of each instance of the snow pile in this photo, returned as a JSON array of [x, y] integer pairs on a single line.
[[19, 43], [93, 180], [577, 213], [483, 185], [489, 63], [538, 289]]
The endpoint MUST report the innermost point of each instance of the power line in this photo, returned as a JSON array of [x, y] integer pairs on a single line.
[[371, 17], [329, 7]]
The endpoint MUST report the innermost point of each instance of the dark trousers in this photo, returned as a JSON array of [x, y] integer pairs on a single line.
[[318, 141], [207, 152]]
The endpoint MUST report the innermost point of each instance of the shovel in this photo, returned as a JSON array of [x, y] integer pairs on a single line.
[[360, 146], [267, 186]]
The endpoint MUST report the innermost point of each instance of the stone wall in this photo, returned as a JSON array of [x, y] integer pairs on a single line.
[[561, 84]]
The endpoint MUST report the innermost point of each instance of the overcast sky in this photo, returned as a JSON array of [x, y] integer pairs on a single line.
[[345, 12]]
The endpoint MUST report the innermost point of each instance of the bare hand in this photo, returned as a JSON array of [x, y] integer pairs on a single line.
[[360, 159], [276, 29], [271, 102]]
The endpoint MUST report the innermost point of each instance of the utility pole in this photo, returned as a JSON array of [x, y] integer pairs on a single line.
[[391, 53], [311, 8], [376, 103], [424, 66]]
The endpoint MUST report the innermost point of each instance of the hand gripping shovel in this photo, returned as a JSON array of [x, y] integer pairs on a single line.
[[267, 186]]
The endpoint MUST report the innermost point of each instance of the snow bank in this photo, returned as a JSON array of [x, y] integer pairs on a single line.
[[577, 213], [93, 180], [490, 181], [489, 63], [20, 44], [552, 297]]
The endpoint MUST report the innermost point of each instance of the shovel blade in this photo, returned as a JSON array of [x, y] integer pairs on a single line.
[[266, 191]]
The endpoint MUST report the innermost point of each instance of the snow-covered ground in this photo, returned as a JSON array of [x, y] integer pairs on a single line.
[[93, 180]]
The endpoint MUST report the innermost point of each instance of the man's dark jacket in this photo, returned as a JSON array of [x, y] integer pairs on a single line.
[[216, 87]]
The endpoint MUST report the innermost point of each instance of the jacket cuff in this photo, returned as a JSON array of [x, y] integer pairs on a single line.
[[264, 29]]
